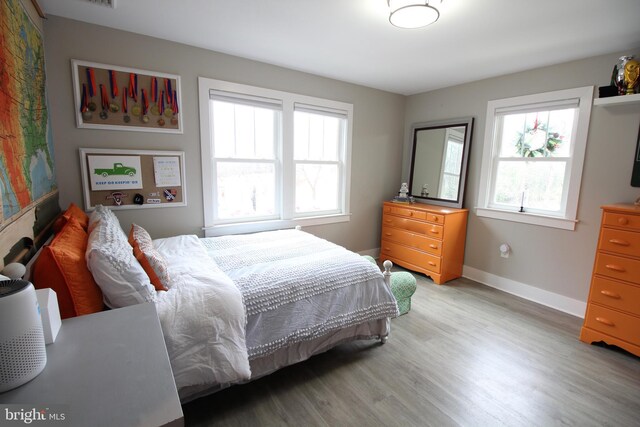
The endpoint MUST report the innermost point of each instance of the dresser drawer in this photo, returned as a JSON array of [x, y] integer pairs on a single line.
[[413, 240], [438, 219], [621, 242], [405, 212], [616, 295], [412, 256], [615, 219], [405, 224], [618, 267], [614, 323]]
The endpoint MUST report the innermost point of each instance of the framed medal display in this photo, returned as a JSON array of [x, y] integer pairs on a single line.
[[120, 98]]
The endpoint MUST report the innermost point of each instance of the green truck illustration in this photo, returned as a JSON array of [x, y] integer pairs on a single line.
[[118, 169]]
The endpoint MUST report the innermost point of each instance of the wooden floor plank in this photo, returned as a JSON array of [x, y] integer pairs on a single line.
[[465, 354]]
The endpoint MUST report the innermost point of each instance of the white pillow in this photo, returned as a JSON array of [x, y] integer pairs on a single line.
[[110, 259]]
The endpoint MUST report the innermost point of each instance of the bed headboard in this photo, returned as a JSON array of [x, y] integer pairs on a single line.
[[20, 239]]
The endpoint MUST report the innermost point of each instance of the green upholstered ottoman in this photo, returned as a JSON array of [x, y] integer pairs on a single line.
[[403, 286]]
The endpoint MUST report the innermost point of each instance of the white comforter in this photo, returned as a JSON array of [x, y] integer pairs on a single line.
[[202, 317]]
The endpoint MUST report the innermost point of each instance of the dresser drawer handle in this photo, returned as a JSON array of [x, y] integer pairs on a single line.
[[388, 220], [615, 268], [431, 263], [619, 242], [410, 213], [605, 321], [623, 221], [435, 219], [433, 231], [432, 246], [610, 294], [388, 234]]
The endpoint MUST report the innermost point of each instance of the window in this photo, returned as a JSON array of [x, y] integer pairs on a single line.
[[534, 151], [272, 159], [451, 161]]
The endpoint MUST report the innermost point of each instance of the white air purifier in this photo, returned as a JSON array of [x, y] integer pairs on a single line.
[[22, 349]]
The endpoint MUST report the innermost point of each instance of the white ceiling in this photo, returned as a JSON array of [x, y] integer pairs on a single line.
[[353, 41]]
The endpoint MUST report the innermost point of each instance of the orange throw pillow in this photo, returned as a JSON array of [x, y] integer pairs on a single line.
[[73, 211], [61, 266], [149, 258]]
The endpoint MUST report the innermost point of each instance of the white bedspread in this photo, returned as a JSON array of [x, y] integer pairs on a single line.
[[202, 317], [297, 287]]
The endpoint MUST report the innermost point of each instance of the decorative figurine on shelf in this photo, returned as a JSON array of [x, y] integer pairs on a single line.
[[631, 74], [618, 77], [403, 195], [404, 190], [425, 190]]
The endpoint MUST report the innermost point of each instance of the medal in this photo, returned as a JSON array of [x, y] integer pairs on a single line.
[[92, 106], [160, 121], [136, 110], [104, 98], [126, 117], [174, 121], [168, 112], [155, 110], [114, 108], [86, 115], [145, 106]]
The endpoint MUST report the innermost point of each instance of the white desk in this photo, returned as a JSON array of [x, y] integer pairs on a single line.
[[107, 369]]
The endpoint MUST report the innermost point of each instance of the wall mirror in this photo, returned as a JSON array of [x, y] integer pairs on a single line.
[[438, 167]]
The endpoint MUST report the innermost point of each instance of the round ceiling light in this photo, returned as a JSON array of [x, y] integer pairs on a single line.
[[412, 13]]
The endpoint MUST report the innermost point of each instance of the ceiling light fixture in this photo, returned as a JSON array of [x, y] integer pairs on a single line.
[[413, 13]]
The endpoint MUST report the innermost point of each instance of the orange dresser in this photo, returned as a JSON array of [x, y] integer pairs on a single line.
[[613, 309], [425, 238]]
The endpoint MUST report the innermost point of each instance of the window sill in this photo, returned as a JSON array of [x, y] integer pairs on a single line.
[[528, 218], [254, 227]]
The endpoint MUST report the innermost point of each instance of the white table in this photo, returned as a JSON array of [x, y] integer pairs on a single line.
[[106, 369]]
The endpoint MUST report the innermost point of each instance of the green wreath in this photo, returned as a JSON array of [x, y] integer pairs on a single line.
[[524, 149]]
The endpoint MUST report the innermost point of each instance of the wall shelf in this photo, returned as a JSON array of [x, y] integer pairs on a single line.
[[618, 100]]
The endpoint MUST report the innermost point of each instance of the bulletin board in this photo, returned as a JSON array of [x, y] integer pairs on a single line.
[[111, 97], [133, 179]]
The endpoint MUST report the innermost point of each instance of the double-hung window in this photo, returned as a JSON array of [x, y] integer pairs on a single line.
[[534, 152], [272, 159]]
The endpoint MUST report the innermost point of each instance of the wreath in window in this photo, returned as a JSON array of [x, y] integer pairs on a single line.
[[529, 144]]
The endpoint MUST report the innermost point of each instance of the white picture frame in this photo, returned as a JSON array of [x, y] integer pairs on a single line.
[[115, 120], [149, 189]]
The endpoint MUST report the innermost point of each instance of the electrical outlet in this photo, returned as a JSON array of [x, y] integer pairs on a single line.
[[505, 250]]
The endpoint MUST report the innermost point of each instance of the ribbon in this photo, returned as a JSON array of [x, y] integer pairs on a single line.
[[113, 84], [83, 103], [124, 100], [91, 81], [145, 102], [161, 107], [104, 98], [174, 107], [154, 89], [167, 88], [133, 87]]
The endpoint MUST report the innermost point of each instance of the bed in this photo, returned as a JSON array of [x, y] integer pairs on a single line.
[[232, 308]]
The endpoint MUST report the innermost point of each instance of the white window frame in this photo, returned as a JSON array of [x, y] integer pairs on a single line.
[[568, 219], [286, 164]]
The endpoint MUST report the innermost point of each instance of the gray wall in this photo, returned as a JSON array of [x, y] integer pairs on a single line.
[[551, 259], [377, 127]]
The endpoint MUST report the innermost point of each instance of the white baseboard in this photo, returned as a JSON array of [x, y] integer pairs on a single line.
[[556, 301]]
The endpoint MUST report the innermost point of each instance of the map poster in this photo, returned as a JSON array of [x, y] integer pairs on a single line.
[[114, 172], [27, 172]]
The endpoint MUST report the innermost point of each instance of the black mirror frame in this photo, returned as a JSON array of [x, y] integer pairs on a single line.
[[466, 122]]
